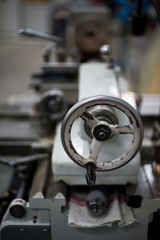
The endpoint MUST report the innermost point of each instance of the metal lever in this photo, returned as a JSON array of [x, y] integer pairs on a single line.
[[32, 33], [91, 174], [25, 159]]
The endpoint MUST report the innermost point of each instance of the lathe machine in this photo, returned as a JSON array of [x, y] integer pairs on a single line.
[[98, 186], [84, 170]]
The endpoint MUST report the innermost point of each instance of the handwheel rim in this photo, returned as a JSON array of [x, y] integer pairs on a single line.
[[78, 109]]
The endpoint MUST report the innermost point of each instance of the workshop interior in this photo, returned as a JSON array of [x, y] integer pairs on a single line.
[[80, 119]]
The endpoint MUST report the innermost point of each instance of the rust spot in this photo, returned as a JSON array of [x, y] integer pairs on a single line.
[[69, 130], [71, 146]]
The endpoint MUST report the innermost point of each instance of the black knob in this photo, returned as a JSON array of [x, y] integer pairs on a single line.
[[91, 175]]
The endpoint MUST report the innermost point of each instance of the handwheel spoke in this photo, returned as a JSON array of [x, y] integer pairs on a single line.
[[94, 150], [123, 129], [89, 119]]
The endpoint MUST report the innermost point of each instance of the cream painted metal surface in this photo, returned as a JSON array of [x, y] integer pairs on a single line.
[[95, 79]]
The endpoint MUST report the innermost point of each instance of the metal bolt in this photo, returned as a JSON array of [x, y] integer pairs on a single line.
[[102, 132]]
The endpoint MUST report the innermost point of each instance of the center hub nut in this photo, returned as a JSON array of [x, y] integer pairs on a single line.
[[102, 132]]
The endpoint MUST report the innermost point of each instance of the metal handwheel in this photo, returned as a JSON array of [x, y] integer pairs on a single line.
[[102, 131]]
